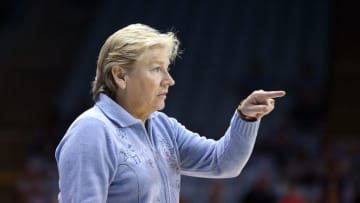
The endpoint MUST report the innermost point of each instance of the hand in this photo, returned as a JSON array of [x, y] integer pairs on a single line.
[[259, 103]]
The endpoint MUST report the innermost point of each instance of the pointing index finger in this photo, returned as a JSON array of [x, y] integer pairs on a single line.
[[273, 94]]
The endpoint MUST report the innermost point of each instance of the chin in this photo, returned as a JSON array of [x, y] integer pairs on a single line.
[[161, 107]]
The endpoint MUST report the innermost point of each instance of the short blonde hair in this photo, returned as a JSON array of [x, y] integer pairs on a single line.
[[123, 48]]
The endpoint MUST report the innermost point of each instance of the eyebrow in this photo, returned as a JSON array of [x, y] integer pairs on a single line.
[[160, 62]]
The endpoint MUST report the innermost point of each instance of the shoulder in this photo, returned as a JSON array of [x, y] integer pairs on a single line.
[[90, 120], [90, 128]]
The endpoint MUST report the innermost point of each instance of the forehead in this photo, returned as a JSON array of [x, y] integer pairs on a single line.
[[160, 55]]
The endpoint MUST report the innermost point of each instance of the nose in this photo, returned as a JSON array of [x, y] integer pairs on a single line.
[[168, 80]]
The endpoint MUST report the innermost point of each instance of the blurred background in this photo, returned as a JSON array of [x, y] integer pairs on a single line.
[[307, 150]]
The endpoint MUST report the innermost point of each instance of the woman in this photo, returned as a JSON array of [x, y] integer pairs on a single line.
[[124, 150]]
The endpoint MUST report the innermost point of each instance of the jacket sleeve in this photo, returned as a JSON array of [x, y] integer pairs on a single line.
[[225, 158], [86, 162]]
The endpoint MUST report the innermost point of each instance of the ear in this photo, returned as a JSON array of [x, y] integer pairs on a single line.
[[119, 74]]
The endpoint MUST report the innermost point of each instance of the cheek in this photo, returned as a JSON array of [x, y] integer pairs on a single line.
[[146, 87], [152, 85], [148, 91]]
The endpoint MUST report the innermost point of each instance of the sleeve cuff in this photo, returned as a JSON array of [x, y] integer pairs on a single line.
[[244, 128]]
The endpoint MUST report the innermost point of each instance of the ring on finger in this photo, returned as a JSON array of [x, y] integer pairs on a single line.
[[272, 102]]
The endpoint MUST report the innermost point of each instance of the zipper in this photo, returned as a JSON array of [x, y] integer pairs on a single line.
[[157, 159]]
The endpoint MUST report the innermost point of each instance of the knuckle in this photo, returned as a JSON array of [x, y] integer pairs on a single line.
[[256, 92]]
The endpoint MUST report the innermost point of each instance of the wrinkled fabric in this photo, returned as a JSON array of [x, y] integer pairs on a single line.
[[107, 155]]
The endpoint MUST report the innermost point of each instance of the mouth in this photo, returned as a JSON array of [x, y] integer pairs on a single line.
[[162, 94]]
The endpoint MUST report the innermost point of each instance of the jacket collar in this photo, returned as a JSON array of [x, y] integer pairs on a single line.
[[115, 112]]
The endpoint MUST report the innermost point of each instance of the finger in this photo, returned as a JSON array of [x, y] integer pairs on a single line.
[[259, 115], [255, 109], [272, 94], [270, 102]]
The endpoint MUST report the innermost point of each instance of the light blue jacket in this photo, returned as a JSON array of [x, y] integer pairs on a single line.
[[107, 155]]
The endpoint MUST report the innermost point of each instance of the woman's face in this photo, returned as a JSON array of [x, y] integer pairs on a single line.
[[147, 84]]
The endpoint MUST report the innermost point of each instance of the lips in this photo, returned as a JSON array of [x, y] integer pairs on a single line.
[[163, 94]]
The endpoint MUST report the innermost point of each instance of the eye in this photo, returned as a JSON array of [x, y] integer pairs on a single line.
[[156, 69]]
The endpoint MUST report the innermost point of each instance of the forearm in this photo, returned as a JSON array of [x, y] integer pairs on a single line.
[[223, 158], [235, 148]]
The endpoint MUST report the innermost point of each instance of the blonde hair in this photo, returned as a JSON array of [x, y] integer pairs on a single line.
[[123, 48]]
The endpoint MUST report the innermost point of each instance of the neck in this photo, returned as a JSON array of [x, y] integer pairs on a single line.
[[134, 111]]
